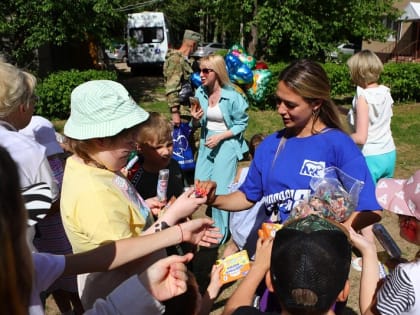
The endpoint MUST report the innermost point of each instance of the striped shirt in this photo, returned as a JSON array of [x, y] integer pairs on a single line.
[[400, 293]]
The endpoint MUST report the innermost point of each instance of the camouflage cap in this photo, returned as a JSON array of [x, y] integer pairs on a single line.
[[191, 35]]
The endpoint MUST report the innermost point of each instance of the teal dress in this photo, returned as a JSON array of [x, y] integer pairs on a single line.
[[220, 163]]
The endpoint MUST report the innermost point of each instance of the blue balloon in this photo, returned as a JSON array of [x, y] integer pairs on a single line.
[[195, 79], [243, 75], [232, 63]]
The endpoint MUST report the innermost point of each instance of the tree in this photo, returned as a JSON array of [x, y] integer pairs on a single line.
[[272, 29], [26, 25], [309, 28]]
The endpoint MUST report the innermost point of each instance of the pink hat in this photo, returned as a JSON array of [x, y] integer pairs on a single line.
[[401, 196]]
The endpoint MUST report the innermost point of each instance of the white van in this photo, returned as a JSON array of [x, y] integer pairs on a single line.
[[147, 39]]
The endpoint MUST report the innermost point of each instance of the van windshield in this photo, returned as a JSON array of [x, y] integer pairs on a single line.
[[145, 35]]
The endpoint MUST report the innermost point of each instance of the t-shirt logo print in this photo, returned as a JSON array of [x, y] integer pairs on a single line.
[[312, 168]]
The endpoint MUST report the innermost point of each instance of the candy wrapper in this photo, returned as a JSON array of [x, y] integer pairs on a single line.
[[335, 196], [235, 266], [268, 230]]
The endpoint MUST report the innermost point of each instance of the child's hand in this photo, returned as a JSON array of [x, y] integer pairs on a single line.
[[215, 284], [361, 243], [185, 205], [263, 254], [154, 205]]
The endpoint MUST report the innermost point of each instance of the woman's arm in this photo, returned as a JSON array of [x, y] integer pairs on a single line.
[[362, 121], [115, 254], [235, 201]]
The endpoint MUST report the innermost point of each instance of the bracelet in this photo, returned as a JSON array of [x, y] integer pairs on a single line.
[[182, 234]]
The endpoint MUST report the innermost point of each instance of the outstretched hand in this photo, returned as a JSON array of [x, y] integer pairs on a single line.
[[200, 232], [167, 277], [206, 188], [185, 205]]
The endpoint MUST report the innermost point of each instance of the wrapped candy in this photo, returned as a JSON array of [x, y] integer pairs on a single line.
[[335, 196]]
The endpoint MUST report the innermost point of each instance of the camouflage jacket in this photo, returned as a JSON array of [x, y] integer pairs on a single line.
[[175, 70]]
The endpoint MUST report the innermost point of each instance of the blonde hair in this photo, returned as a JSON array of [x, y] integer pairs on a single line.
[[365, 67], [156, 128], [218, 65], [308, 79], [16, 269], [16, 88]]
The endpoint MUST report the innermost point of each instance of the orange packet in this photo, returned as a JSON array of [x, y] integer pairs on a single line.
[[269, 230], [235, 266]]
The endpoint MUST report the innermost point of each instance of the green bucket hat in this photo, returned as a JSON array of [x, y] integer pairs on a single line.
[[102, 108]]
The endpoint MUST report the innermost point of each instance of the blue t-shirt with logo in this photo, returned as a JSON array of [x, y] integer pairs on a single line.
[[282, 180]]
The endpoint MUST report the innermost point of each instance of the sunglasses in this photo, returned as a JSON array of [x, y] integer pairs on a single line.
[[206, 70]]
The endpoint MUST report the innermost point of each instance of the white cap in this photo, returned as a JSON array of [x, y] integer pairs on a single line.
[[42, 131]]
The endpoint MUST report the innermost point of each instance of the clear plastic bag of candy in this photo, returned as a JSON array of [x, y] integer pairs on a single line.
[[335, 196]]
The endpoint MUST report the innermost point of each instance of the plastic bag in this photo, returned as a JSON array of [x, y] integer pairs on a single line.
[[335, 196], [182, 151], [186, 92]]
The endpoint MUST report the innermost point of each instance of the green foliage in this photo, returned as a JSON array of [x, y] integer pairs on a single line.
[[294, 29], [32, 24], [54, 91], [403, 79], [339, 77]]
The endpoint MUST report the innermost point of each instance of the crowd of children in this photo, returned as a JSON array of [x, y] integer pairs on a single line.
[[107, 226]]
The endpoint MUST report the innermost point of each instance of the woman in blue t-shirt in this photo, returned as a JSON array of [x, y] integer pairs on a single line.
[[311, 141]]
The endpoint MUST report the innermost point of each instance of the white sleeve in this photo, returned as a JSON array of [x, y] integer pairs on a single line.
[[129, 298], [45, 175]]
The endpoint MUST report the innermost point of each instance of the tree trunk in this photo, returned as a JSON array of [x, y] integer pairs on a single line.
[[252, 46]]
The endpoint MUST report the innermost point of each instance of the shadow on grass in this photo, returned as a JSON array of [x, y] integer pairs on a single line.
[[143, 87]]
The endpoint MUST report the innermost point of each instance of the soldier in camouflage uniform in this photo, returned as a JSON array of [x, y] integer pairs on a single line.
[[178, 68]]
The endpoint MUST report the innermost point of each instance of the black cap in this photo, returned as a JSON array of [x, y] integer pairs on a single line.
[[310, 263]]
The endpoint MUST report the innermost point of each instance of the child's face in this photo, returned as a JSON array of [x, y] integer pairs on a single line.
[[409, 229], [114, 153], [157, 152]]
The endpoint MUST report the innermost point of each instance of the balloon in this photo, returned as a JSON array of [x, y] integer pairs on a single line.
[[236, 53], [232, 63], [195, 79], [248, 60], [239, 90], [260, 84], [242, 75], [238, 48], [261, 65]]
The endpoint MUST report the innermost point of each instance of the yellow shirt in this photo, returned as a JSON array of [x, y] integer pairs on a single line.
[[98, 205]]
